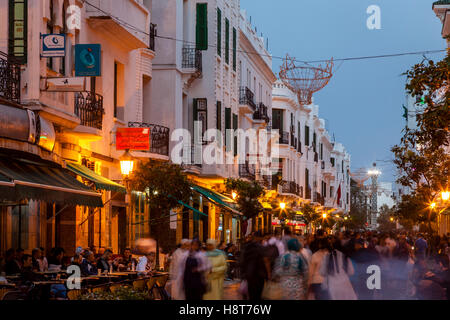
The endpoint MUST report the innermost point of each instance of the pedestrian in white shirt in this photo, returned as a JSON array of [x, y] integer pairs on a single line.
[[177, 269]]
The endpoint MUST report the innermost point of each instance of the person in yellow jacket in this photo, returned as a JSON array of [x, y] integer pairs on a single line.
[[217, 272]]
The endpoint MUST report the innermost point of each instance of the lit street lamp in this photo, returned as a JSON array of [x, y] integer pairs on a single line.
[[445, 195], [126, 163]]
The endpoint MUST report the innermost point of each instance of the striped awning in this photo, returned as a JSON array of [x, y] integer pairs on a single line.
[[23, 179], [217, 198]]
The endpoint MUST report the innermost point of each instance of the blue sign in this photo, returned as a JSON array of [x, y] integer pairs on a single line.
[[88, 60], [53, 45]]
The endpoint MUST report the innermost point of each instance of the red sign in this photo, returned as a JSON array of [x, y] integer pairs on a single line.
[[133, 139]]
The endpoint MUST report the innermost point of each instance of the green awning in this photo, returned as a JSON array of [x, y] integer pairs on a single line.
[[100, 182], [22, 179], [189, 207], [217, 198]]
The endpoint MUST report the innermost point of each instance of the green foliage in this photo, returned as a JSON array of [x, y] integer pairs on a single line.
[[421, 157], [122, 293], [310, 215], [163, 183], [414, 209], [248, 194], [358, 208], [384, 219]]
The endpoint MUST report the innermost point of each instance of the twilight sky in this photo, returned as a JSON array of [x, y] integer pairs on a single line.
[[363, 101]]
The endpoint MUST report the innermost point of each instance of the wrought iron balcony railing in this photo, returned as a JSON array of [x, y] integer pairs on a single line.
[[284, 137], [192, 59], [247, 97], [9, 79], [159, 137], [261, 113], [247, 171], [89, 108], [153, 33]]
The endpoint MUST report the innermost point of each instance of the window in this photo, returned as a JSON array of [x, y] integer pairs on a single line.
[[321, 151], [202, 27], [119, 100], [18, 29], [227, 126], [234, 48], [314, 141], [50, 25], [277, 119], [219, 115], [62, 67], [201, 113], [219, 32], [332, 162], [227, 41], [235, 127], [306, 136]]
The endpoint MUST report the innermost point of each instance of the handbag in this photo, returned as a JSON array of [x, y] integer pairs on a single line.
[[272, 291]]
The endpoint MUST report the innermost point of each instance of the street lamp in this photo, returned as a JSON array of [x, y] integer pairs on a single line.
[[433, 205], [282, 205], [445, 195], [324, 215], [392, 219], [234, 195], [126, 163]]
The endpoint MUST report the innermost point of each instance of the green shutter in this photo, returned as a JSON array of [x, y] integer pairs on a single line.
[[18, 30], [234, 48], [306, 136], [219, 115], [202, 27], [195, 110], [227, 127], [227, 41], [235, 127], [219, 32]]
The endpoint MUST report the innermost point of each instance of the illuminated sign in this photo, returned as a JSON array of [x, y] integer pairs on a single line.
[[133, 139]]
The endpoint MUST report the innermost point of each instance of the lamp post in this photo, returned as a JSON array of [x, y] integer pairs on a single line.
[[126, 168]]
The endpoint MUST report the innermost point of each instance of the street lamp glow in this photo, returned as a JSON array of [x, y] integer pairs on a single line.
[[392, 219], [324, 215], [282, 205], [433, 205], [445, 195], [126, 163], [234, 195], [374, 172], [345, 218]]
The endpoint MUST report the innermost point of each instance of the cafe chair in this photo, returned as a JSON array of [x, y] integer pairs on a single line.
[[160, 286], [74, 294], [4, 291], [139, 284]]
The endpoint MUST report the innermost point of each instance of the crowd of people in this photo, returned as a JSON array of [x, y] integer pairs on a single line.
[[316, 266]]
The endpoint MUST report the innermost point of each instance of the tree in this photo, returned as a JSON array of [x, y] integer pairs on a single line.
[[310, 215], [358, 207], [248, 195], [422, 157], [164, 184], [386, 219]]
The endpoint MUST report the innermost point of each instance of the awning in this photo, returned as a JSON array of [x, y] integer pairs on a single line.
[[100, 182], [218, 198], [23, 179], [189, 207]]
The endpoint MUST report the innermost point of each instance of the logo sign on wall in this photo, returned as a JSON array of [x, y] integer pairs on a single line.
[[133, 139], [87, 60], [53, 45]]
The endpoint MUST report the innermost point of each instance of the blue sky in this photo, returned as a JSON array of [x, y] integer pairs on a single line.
[[363, 101]]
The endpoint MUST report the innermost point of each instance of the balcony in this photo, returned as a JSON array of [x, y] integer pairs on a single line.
[[318, 198], [159, 137], [247, 171], [89, 109], [284, 137], [291, 188], [308, 193], [9, 79], [107, 16], [261, 113], [247, 98], [192, 63]]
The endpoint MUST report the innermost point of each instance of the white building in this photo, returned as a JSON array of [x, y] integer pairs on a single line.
[[313, 167], [385, 195]]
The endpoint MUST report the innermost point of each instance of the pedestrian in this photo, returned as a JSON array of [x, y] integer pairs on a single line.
[[255, 267], [291, 268], [421, 247], [177, 269], [316, 279], [194, 281], [336, 270], [216, 276]]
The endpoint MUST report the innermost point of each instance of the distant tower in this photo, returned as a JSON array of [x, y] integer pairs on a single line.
[[374, 173]]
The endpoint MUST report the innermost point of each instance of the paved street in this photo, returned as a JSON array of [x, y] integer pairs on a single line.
[[231, 290]]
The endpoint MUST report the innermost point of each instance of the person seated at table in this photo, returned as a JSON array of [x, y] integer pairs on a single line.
[[100, 252], [88, 265], [103, 261], [125, 262], [19, 254], [27, 273], [35, 254], [43, 263], [55, 262], [11, 265], [147, 264]]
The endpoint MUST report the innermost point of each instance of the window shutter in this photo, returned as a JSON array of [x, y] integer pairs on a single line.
[[219, 32], [195, 109], [227, 41], [202, 27], [314, 141], [235, 127], [219, 115], [18, 30], [306, 136], [227, 126], [234, 48]]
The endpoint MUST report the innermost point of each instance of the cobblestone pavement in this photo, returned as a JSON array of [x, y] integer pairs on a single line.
[[231, 290]]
